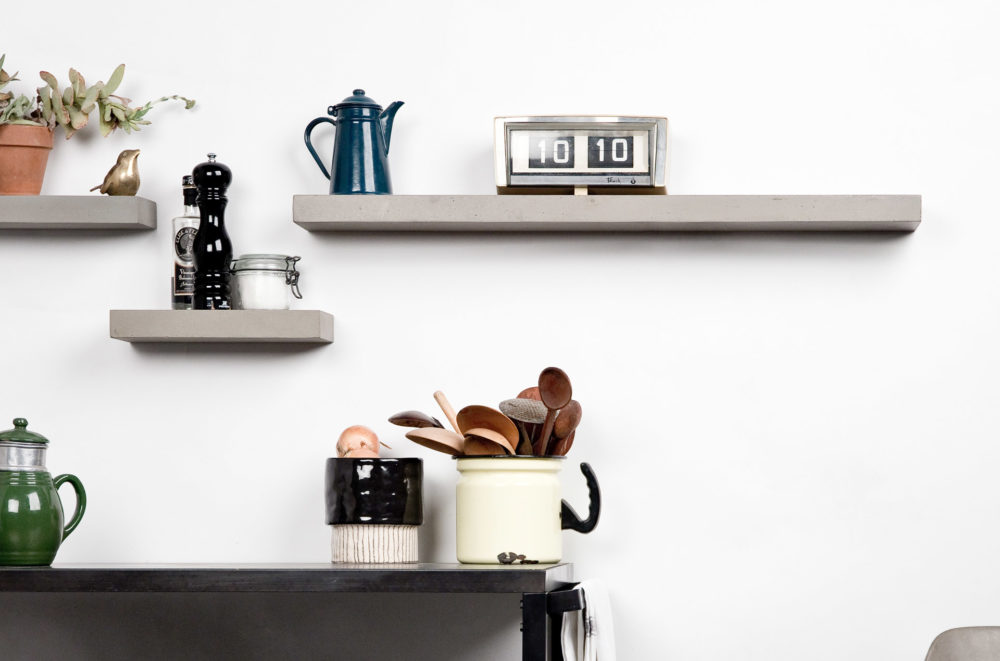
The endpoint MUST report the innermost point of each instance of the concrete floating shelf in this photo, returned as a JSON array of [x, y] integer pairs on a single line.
[[292, 326], [76, 212], [607, 213]]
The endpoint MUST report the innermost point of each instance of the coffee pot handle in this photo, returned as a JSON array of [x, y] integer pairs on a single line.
[[309, 144], [569, 517], [81, 500]]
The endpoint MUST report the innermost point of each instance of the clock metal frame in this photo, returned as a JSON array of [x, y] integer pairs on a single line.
[[655, 175]]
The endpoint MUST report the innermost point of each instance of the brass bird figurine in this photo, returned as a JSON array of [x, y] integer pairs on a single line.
[[123, 178]]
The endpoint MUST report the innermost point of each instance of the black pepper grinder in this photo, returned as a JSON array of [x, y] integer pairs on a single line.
[[213, 251]]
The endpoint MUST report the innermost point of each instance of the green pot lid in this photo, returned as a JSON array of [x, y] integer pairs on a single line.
[[21, 434]]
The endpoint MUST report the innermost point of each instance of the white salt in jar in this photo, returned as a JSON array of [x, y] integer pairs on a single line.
[[263, 282]]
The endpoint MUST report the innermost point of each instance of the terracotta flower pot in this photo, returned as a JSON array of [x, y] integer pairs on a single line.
[[24, 151]]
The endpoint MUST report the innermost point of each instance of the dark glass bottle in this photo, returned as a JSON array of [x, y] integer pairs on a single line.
[[213, 251]]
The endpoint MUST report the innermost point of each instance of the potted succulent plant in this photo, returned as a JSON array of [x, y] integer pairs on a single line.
[[25, 141], [27, 124]]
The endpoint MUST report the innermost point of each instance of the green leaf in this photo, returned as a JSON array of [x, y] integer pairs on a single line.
[[62, 117], [188, 103], [67, 96], [45, 95], [106, 126], [14, 114], [79, 120], [106, 111], [90, 100], [116, 79], [50, 80], [118, 113], [74, 81]]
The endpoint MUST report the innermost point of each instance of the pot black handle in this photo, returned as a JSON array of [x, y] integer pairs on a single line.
[[569, 517], [309, 144]]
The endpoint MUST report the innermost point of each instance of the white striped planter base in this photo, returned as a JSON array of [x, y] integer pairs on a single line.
[[374, 543]]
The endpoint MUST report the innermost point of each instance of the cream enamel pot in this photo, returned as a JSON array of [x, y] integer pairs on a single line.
[[513, 505]]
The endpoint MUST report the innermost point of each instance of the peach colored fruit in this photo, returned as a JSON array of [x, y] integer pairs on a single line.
[[357, 441]]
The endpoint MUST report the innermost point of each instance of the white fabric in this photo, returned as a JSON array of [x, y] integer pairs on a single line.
[[572, 636], [589, 635]]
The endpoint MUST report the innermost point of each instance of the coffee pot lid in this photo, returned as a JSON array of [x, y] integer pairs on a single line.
[[357, 99], [21, 434]]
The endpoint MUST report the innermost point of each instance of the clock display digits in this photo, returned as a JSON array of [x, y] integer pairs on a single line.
[[552, 152], [609, 152]]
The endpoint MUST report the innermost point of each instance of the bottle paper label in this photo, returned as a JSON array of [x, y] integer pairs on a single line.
[[184, 244], [183, 280], [184, 261]]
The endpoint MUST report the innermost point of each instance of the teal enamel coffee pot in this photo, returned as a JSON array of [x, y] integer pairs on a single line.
[[31, 513], [361, 146]]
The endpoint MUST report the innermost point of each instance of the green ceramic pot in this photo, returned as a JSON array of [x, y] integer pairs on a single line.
[[31, 512]]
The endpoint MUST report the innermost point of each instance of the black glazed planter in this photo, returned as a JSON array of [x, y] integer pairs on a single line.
[[374, 506]]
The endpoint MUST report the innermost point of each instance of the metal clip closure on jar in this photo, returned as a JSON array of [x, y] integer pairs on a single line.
[[264, 281]]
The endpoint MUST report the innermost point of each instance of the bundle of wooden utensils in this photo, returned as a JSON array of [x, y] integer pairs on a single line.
[[540, 422]]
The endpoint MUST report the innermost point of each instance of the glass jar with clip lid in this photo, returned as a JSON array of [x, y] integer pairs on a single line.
[[265, 281]]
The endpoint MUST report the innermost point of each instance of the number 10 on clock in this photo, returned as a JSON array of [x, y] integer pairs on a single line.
[[551, 152], [603, 152]]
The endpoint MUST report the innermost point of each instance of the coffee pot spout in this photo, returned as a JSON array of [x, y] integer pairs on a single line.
[[385, 121]]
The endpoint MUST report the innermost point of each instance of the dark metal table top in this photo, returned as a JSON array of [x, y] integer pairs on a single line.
[[287, 577]]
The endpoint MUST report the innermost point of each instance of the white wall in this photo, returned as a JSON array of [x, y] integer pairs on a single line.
[[795, 436]]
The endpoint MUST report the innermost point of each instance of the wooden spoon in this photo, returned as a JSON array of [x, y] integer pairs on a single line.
[[524, 443], [472, 417], [556, 392], [563, 445], [567, 420], [449, 412], [479, 438], [414, 419], [435, 438], [530, 393], [533, 430], [476, 446]]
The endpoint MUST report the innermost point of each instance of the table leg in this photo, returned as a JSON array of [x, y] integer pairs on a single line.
[[535, 635]]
